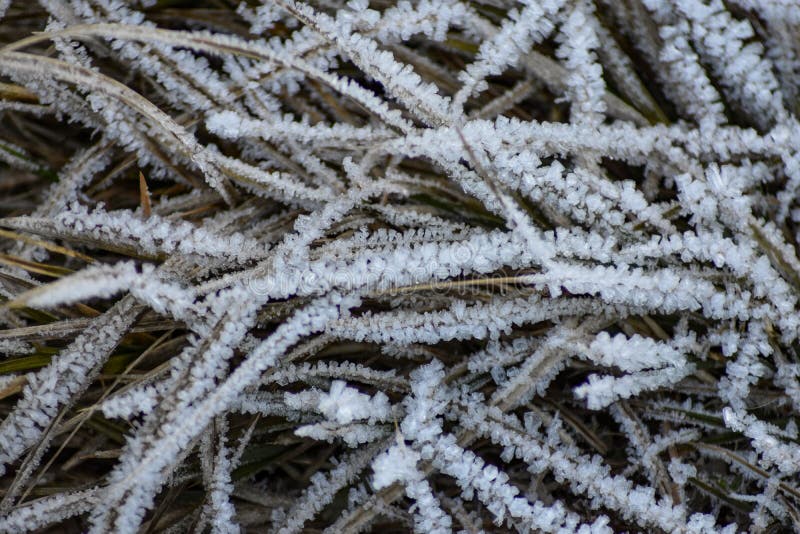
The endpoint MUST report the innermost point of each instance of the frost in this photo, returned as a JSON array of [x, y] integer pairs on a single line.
[[343, 404], [398, 464], [438, 265]]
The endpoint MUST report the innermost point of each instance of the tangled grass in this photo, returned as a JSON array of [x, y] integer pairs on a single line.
[[373, 266]]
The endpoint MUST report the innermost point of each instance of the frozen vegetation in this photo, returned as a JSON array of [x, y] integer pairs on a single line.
[[432, 266]]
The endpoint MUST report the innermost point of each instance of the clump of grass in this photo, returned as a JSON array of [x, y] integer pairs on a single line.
[[438, 266]]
